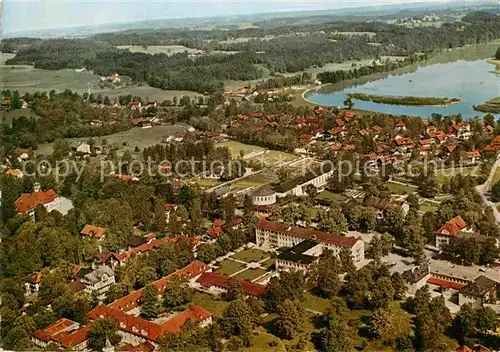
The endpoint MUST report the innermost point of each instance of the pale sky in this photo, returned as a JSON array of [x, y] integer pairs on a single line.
[[22, 15]]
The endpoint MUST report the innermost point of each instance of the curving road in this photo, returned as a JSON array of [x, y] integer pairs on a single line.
[[486, 187]]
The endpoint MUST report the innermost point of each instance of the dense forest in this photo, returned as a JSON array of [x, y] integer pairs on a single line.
[[279, 49]]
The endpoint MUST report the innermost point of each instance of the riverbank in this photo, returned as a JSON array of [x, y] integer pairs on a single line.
[[401, 100], [497, 65]]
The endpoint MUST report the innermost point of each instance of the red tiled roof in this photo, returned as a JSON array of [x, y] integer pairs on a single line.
[[29, 201], [61, 332], [188, 272], [147, 329], [445, 284], [377, 128], [14, 172], [400, 124], [489, 148], [496, 140], [452, 227], [426, 141], [463, 348], [307, 233], [143, 347], [473, 154], [93, 231], [256, 114], [451, 148], [210, 279], [77, 286], [339, 122]]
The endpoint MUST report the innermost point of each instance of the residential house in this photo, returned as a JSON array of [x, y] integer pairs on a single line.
[[32, 284], [15, 173], [400, 126], [496, 142], [93, 231], [461, 130], [65, 333], [473, 156], [451, 229], [83, 149], [99, 280], [275, 235]]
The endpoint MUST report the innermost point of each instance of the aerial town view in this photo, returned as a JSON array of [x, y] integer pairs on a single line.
[[250, 176]]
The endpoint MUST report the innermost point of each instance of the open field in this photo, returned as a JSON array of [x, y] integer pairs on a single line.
[[251, 255], [400, 189], [331, 195], [316, 303], [207, 182], [25, 78], [14, 114], [159, 49], [134, 137], [229, 267], [209, 303], [443, 175], [250, 274]]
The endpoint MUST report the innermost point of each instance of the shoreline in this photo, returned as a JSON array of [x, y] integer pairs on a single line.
[[398, 100]]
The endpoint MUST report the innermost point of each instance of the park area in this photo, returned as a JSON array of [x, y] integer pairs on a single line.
[[229, 267], [443, 175], [251, 255]]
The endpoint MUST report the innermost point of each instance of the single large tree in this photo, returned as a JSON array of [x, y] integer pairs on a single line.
[[150, 302], [177, 292], [291, 318], [103, 329], [238, 320]]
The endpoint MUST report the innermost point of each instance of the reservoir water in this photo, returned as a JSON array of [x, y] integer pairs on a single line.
[[471, 81]]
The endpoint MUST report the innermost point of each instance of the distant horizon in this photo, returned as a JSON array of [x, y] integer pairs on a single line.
[[24, 16]]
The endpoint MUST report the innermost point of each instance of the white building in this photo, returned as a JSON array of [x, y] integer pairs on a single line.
[[27, 202], [297, 186], [99, 280], [451, 229], [275, 235], [299, 257], [263, 197], [83, 148]]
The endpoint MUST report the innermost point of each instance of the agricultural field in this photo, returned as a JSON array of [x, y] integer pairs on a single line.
[[134, 137], [25, 78], [445, 174], [251, 255]]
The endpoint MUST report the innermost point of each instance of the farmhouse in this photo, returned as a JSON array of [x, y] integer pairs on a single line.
[[273, 234], [93, 231]]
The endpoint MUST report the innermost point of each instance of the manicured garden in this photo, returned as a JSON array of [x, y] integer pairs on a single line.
[[229, 267], [250, 274], [251, 255]]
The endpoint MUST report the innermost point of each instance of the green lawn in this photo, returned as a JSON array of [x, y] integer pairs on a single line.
[[496, 177], [316, 303], [251, 255], [425, 207], [250, 274], [210, 303], [331, 195], [229, 267], [207, 182], [268, 263], [443, 175], [400, 189]]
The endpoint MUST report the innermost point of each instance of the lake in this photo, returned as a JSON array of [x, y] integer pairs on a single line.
[[470, 81]]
